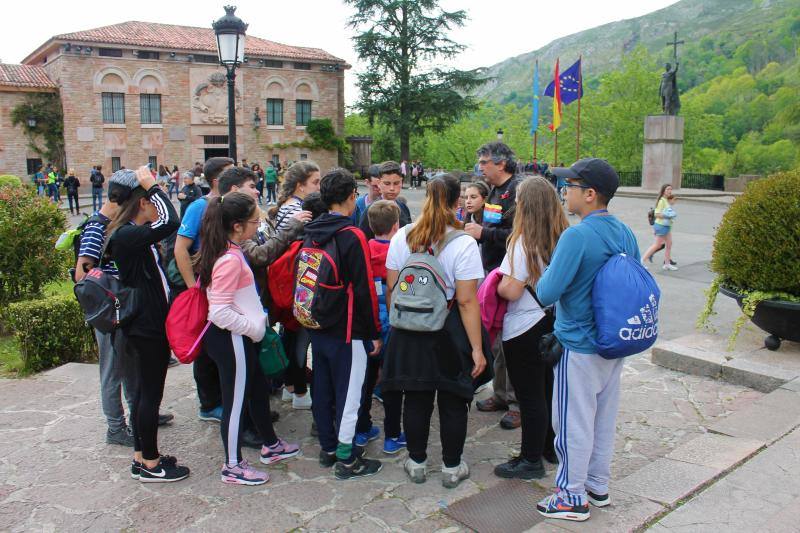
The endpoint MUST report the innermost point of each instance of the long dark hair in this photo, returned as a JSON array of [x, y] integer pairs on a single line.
[[661, 192], [127, 210], [295, 175], [222, 213], [437, 213]]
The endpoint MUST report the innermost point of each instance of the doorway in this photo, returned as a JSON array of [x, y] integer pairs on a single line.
[[215, 152]]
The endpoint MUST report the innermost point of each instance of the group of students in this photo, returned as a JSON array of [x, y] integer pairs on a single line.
[[362, 244]]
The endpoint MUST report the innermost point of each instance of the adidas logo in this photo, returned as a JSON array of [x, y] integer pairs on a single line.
[[646, 326], [634, 320]]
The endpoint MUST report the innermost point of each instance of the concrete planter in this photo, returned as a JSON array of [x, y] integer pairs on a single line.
[[781, 319]]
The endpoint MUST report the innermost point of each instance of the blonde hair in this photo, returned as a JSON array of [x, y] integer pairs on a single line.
[[437, 213], [539, 221]]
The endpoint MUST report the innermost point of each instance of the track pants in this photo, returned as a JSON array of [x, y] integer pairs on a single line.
[[585, 404], [417, 412], [117, 374], [242, 381], [151, 357], [339, 371]]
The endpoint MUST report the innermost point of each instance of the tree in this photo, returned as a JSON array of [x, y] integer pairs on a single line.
[[398, 39]]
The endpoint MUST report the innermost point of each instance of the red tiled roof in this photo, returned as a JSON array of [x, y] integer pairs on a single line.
[[150, 34], [25, 76]]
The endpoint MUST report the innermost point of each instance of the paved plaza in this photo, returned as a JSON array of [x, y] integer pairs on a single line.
[[57, 474]]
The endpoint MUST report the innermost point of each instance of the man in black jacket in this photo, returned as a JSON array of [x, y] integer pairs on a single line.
[[496, 160], [345, 310]]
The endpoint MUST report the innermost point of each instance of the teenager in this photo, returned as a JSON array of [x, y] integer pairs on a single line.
[[538, 222], [499, 167], [431, 366], [340, 351], [72, 185], [474, 201], [144, 219], [299, 180], [372, 181], [390, 184], [238, 322], [187, 243], [662, 228], [97, 179], [586, 388], [271, 182]]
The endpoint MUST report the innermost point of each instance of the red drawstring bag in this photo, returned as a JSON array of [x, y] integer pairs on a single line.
[[187, 322]]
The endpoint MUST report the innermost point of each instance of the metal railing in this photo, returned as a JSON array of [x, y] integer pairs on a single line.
[[689, 180]]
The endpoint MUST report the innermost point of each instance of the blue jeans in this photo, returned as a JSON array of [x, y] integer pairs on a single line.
[[173, 188], [97, 198]]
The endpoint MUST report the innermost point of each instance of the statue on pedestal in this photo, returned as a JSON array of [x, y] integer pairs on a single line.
[[670, 99]]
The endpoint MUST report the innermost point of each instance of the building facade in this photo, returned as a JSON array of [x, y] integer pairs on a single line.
[[137, 93]]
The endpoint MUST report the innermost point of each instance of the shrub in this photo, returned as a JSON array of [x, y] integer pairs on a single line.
[[51, 331], [29, 227], [11, 180]]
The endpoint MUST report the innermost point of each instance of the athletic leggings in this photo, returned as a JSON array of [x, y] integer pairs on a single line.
[[151, 358], [296, 345], [417, 411], [242, 381]]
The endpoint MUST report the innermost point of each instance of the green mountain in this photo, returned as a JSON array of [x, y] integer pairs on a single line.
[[604, 47]]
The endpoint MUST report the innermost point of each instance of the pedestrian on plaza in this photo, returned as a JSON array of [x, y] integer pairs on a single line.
[[586, 386], [271, 182], [39, 181], [72, 185], [52, 184], [431, 366], [414, 174], [300, 179], [162, 178], [174, 182], [662, 228], [474, 200], [539, 221], [497, 162], [238, 323], [145, 218], [97, 179], [390, 185], [188, 193]]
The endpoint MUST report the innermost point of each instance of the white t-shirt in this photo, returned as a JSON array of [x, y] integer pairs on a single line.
[[524, 313], [461, 259]]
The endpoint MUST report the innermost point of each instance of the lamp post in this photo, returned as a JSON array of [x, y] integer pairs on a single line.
[[230, 32], [31, 122], [500, 134], [256, 120]]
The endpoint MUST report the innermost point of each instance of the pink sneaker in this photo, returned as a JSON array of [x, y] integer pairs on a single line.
[[243, 474], [279, 451]]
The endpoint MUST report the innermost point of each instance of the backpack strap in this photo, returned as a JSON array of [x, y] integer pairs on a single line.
[[617, 249], [449, 237]]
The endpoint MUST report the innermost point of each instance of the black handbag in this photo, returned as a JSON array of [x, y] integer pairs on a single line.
[[550, 349]]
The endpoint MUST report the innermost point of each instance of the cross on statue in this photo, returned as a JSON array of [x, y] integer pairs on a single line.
[[674, 44]]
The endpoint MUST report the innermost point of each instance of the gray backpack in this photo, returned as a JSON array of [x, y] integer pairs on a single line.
[[419, 300]]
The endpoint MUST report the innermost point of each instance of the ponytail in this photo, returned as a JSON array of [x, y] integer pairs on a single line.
[[222, 213], [295, 175], [437, 213]]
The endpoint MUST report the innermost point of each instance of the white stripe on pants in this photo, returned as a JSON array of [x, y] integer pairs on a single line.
[[358, 370], [239, 384], [585, 404]]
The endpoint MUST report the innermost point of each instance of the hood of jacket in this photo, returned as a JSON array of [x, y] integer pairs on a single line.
[[325, 227]]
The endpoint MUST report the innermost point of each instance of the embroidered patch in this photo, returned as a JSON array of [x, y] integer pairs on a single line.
[[492, 213]]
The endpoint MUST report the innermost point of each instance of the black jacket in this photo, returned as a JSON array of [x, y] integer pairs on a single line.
[[494, 235], [133, 249], [72, 184], [405, 218], [359, 318], [97, 179]]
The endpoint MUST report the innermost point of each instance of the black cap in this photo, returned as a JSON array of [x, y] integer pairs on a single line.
[[594, 172]]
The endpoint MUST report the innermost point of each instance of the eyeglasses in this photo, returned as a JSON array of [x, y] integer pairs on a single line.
[[576, 185], [254, 221]]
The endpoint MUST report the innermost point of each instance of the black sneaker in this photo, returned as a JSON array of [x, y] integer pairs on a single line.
[[165, 418], [598, 500], [162, 473], [136, 465], [360, 467], [121, 437], [551, 457], [327, 460], [274, 416], [251, 439], [519, 468]]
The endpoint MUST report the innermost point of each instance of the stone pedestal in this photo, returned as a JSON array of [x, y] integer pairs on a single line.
[[663, 151], [361, 149]]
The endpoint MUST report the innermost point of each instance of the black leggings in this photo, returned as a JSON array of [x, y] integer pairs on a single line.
[[296, 345], [73, 197], [242, 381], [533, 384], [392, 403], [151, 358], [417, 411]]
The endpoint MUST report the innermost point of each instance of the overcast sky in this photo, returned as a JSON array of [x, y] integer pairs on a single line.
[[496, 29]]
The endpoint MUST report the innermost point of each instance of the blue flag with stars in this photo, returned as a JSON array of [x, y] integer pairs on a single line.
[[535, 113], [571, 84]]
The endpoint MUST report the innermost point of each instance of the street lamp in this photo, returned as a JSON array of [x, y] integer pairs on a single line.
[[31, 122], [500, 134], [256, 120], [230, 32]]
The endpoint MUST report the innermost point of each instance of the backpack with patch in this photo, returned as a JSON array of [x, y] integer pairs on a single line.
[[319, 291], [107, 304], [419, 300], [280, 287], [625, 301]]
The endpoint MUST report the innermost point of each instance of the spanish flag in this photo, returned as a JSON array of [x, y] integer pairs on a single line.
[[556, 101]]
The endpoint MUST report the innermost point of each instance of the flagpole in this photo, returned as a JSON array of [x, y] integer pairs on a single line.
[[535, 140], [580, 97], [555, 156]]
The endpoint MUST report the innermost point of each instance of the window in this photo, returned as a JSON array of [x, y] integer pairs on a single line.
[[113, 108], [146, 54], [153, 160], [275, 160], [302, 66], [303, 157], [274, 111], [150, 108], [272, 63], [215, 139], [34, 165], [115, 164], [303, 112], [109, 52], [199, 58]]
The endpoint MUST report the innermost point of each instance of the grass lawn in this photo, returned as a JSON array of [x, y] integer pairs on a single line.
[[10, 356]]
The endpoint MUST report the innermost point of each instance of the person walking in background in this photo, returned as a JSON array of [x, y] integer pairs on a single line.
[[97, 179], [662, 228], [271, 182], [189, 193], [72, 185], [174, 181], [256, 169]]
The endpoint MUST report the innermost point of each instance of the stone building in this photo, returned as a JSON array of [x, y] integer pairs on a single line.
[[140, 92]]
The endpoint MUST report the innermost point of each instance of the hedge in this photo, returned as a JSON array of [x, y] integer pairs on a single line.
[[51, 331], [10, 179]]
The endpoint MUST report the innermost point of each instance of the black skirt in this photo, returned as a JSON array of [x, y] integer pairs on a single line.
[[419, 361]]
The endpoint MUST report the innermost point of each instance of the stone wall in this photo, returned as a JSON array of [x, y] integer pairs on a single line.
[[14, 149]]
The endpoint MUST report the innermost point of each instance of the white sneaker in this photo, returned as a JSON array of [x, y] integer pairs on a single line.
[[416, 471], [667, 266], [451, 477], [301, 402], [286, 396]]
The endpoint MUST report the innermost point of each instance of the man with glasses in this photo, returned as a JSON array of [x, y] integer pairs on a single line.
[[496, 161]]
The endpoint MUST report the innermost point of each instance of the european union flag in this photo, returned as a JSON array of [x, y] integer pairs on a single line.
[[571, 84]]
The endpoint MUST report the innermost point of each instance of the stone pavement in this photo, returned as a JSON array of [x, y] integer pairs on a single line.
[[57, 474]]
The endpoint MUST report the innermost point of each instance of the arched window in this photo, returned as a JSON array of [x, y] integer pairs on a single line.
[[303, 101], [275, 104]]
